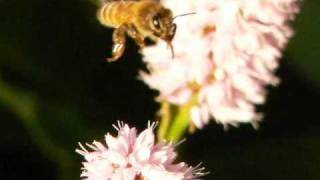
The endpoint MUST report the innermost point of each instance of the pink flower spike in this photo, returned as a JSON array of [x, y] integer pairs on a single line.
[[229, 48], [132, 156]]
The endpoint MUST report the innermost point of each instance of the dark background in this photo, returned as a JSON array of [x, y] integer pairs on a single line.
[[56, 90]]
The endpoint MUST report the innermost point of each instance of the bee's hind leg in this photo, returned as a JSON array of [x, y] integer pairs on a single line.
[[119, 43]]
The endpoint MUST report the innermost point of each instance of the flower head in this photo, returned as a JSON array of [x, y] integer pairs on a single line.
[[225, 55], [132, 156]]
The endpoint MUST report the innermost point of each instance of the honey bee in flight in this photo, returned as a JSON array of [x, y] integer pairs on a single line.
[[139, 19]]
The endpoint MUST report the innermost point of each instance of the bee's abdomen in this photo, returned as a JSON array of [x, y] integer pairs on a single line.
[[114, 14]]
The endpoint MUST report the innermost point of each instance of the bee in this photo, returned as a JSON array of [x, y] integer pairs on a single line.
[[139, 19]]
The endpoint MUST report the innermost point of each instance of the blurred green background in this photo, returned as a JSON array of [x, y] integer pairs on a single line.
[[56, 90]]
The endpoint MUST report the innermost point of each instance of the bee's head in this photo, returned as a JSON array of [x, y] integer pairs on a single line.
[[162, 26], [161, 23]]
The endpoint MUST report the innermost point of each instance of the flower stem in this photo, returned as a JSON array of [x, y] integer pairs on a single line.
[[180, 124], [165, 114], [181, 121]]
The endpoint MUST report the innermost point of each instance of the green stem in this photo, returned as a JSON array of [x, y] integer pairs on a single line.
[[165, 114], [180, 124], [181, 121]]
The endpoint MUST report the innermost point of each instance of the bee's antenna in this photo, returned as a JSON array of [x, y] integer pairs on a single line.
[[186, 14]]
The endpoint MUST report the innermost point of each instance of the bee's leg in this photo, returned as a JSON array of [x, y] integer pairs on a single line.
[[119, 43], [139, 39]]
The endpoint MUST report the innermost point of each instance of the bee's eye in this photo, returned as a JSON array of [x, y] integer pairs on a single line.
[[156, 22]]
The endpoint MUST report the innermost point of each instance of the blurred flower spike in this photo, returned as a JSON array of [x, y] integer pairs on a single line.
[[225, 56], [129, 156]]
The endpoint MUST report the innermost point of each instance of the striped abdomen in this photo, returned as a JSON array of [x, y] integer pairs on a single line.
[[115, 13]]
